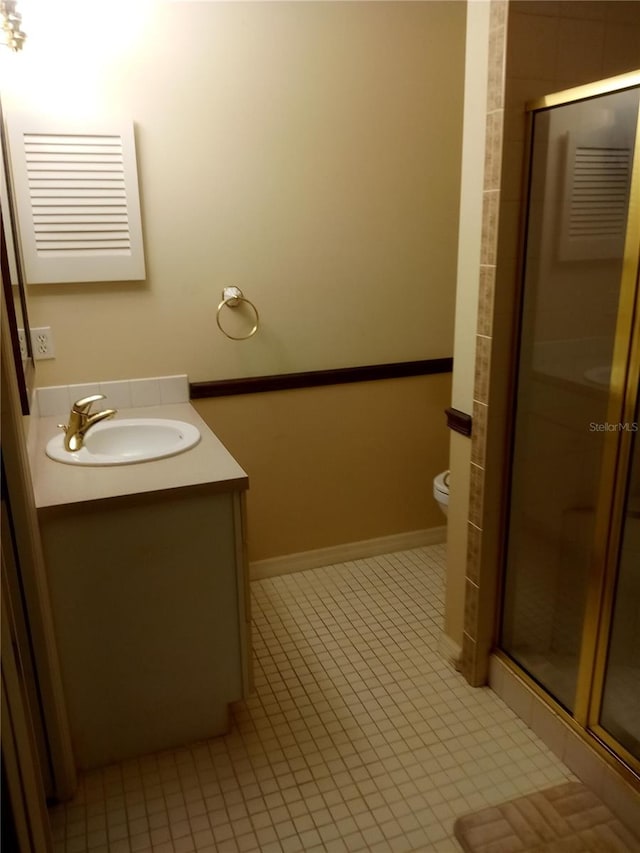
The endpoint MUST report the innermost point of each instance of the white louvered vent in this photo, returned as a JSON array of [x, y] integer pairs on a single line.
[[600, 191], [596, 201], [78, 194], [77, 202]]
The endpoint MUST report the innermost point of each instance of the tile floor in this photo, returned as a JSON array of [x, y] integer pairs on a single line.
[[358, 736]]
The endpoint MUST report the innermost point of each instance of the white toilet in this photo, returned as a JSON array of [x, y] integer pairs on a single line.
[[441, 490]]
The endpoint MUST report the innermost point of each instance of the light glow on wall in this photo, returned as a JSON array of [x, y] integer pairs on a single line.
[[73, 52]]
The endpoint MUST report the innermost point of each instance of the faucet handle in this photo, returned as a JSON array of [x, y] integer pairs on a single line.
[[82, 406]]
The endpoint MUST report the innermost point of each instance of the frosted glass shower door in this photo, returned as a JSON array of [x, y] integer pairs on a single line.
[[581, 164], [620, 711]]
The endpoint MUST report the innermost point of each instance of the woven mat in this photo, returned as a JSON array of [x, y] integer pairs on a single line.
[[567, 819]]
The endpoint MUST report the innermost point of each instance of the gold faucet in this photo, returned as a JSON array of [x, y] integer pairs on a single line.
[[81, 420]]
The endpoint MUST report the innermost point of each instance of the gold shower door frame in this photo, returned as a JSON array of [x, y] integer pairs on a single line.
[[622, 407]]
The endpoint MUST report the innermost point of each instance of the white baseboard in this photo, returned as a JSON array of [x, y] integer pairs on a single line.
[[450, 650], [342, 553]]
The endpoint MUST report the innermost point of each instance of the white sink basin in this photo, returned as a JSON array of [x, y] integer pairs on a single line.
[[126, 441]]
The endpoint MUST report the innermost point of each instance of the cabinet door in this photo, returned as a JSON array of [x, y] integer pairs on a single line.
[[145, 601]]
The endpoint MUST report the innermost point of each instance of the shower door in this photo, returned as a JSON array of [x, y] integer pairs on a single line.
[[617, 715], [574, 500]]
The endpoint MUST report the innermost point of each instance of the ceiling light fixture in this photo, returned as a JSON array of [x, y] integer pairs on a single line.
[[11, 34]]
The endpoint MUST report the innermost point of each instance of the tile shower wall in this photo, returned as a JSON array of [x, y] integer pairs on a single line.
[[535, 48], [480, 575]]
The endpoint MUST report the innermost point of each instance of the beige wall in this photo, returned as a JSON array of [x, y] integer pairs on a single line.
[[306, 152], [460, 469], [338, 464]]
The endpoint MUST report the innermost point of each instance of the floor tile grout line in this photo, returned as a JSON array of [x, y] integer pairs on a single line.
[[397, 705]]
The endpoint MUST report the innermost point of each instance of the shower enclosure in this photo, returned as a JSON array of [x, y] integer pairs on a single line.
[[571, 592]]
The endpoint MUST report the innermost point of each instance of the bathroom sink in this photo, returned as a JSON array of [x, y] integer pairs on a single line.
[[126, 441]]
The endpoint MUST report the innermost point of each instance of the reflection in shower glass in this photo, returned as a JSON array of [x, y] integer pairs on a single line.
[[579, 195], [620, 714]]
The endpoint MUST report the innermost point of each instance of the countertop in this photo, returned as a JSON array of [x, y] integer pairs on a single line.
[[208, 463]]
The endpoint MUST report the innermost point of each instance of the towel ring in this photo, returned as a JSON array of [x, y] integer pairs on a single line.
[[231, 298]]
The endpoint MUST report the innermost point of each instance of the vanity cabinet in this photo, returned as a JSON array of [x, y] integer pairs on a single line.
[[149, 593]]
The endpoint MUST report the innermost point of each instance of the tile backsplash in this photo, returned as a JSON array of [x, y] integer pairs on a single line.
[[56, 400]]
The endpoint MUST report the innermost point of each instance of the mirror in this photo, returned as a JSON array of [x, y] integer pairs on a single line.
[[13, 285]]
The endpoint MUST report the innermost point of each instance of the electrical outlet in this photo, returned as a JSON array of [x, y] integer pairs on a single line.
[[42, 343], [22, 340]]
